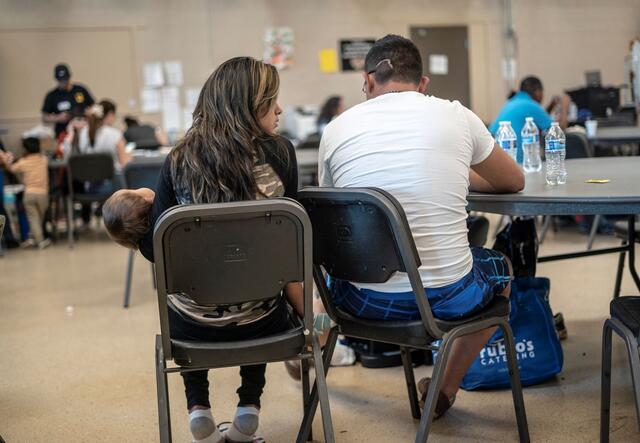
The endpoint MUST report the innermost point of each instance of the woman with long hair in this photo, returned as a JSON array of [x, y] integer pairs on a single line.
[[98, 134], [230, 153], [331, 108]]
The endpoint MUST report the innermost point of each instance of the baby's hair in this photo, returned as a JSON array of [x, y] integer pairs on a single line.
[[126, 217], [31, 145]]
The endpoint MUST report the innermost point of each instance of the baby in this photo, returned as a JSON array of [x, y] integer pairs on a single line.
[[126, 215]]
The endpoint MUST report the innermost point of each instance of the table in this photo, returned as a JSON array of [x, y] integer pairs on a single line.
[[617, 135], [620, 196]]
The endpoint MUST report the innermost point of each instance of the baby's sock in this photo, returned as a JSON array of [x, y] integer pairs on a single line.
[[203, 427], [244, 426]]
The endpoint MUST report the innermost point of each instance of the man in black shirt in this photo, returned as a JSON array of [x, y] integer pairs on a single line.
[[65, 101]]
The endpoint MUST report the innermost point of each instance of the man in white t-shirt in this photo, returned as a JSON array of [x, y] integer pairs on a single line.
[[427, 152]]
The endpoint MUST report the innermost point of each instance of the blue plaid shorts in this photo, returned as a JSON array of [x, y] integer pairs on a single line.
[[488, 278]]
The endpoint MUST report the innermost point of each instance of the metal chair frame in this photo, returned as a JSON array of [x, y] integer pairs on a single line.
[[407, 255]]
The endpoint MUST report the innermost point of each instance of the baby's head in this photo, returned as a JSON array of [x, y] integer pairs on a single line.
[[126, 215]]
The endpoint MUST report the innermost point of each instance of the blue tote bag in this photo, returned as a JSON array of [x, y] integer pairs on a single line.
[[537, 346]]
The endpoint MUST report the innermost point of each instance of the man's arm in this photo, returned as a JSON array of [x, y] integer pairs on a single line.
[[498, 173]]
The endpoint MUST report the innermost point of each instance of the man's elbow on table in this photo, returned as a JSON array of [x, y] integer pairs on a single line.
[[498, 173]]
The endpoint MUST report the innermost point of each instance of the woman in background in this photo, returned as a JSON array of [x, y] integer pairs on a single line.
[[332, 108]]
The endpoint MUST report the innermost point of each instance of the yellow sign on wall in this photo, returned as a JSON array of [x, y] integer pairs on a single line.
[[328, 59]]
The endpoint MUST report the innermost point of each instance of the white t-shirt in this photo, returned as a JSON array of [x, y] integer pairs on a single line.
[[106, 140], [418, 148]]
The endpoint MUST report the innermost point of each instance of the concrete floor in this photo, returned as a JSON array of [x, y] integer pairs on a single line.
[[77, 367]]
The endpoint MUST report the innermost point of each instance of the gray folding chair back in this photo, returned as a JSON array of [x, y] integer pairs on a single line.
[[578, 145], [140, 173], [93, 168], [233, 253], [362, 235]]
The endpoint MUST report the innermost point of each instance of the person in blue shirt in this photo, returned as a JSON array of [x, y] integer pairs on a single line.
[[527, 103]]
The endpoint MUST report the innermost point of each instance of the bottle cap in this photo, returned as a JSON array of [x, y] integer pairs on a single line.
[[528, 119], [504, 123]]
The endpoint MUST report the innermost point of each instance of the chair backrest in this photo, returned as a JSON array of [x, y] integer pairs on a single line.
[[362, 235], [143, 172], [578, 146], [2, 221], [232, 253], [92, 167]]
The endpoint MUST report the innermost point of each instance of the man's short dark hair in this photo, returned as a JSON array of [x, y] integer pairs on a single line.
[[404, 60], [31, 145], [530, 85]]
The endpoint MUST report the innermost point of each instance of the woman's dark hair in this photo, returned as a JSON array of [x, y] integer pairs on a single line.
[[96, 116], [214, 161], [31, 145], [394, 58], [131, 121], [329, 110]]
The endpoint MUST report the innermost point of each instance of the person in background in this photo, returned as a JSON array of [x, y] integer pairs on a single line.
[[99, 135], [64, 99], [34, 173], [428, 153], [527, 103], [144, 135], [332, 108]]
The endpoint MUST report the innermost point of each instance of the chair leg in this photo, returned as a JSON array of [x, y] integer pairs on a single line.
[[127, 284], [405, 353], [516, 385], [594, 231], [309, 414], [323, 393], [306, 390], [164, 417], [634, 363], [70, 224], [434, 389], [545, 227], [619, 272], [153, 276], [605, 383]]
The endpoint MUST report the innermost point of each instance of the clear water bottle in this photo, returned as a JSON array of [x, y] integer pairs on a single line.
[[555, 153], [507, 140], [531, 146]]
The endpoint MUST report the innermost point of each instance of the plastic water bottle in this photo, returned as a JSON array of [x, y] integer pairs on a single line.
[[555, 153], [507, 140], [531, 146]]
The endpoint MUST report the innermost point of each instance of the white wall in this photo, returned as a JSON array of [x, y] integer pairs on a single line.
[[558, 40]]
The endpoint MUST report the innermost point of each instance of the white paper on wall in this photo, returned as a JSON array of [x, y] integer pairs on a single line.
[[153, 77], [173, 71], [191, 97], [438, 64], [150, 100], [171, 112], [187, 119]]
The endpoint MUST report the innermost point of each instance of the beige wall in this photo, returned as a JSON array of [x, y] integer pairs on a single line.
[[558, 40]]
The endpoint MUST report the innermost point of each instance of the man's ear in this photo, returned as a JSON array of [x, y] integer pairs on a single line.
[[424, 82], [368, 85]]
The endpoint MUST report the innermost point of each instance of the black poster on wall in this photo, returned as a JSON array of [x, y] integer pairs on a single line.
[[353, 52]]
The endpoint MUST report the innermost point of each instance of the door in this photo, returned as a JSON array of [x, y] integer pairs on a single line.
[[445, 60]]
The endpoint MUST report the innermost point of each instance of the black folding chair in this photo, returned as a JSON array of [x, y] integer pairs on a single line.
[[625, 321], [622, 230], [235, 253], [91, 168], [140, 173], [362, 235]]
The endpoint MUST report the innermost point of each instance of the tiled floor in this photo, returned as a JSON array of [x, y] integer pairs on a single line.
[[77, 367]]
